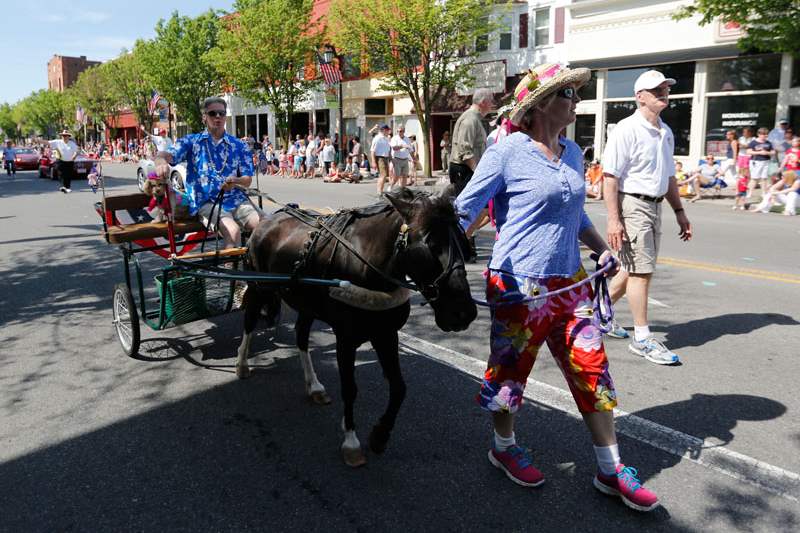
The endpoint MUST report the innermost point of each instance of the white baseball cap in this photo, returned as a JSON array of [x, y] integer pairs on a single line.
[[650, 80]]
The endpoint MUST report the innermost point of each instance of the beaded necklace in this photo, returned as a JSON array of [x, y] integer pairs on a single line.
[[217, 170]]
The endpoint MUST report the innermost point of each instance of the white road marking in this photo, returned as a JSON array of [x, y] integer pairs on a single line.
[[765, 476], [653, 301]]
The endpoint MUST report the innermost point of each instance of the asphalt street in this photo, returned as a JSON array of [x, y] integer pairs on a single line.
[[91, 440]]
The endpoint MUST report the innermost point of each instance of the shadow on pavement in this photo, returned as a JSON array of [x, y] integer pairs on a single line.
[[701, 331], [256, 454]]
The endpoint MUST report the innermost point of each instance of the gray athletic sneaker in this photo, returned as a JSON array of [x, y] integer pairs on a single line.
[[654, 351], [617, 331]]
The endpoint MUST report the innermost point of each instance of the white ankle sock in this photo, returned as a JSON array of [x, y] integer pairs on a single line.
[[607, 458], [640, 333], [501, 444]]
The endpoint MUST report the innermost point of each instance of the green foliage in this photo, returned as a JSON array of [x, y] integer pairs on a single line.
[[261, 51], [770, 25], [96, 91], [423, 48], [127, 75], [43, 113], [7, 122], [177, 65]]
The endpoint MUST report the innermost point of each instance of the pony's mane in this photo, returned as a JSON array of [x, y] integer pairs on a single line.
[[438, 211]]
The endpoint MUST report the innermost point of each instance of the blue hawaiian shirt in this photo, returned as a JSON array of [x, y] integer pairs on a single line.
[[208, 165]]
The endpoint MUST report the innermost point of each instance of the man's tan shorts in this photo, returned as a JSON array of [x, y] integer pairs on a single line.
[[383, 166], [642, 222], [400, 166], [239, 215]]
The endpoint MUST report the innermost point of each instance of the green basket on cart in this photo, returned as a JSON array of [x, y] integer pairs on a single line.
[[185, 298]]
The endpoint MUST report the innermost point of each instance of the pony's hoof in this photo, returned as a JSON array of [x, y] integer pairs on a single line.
[[242, 372], [378, 439], [354, 457], [320, 397]]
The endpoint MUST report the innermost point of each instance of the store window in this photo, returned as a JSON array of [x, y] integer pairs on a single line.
[[351, 67], [251, 125], [678, 116], [620, 83], [263, 125], [796, 72], [541, 27], [749, 73], [589, 91], [482, 41], [375, 106], [735, 112]]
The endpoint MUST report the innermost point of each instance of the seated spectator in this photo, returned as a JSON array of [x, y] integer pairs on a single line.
[[594, 180], [352, 171], [683, 180], [784, 192], [707, 176]]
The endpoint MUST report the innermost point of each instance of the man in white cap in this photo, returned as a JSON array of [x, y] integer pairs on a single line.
[[776, 136], [65, 151], [639, 173]]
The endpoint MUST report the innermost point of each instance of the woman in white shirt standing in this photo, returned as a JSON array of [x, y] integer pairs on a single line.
[[65, 151]]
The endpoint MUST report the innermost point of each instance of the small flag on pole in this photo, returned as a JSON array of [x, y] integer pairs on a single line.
[[330, 72], [80, 116], [154, 98]]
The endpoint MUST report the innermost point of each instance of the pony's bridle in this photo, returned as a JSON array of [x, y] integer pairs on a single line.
[[431, 291]]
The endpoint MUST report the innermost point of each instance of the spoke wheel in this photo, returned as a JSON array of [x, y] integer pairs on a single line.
[[126, 320]]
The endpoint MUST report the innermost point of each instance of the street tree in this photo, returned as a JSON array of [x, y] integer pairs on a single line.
[[7, 122], [95, 91], [422, 48], [769, 25], [132, 88], [266, 54], [43, 112], [177, 64]]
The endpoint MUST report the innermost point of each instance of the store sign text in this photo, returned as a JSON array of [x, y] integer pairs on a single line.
[[739, 119]]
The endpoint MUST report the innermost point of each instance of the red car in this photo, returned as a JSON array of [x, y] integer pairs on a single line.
[[47, 167], [27, 159]]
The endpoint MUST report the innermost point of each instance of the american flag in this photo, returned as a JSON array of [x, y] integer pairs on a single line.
[[154, 98], [330, 72], [79, 115]]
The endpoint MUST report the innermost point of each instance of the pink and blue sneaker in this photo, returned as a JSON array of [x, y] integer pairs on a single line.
[[625, 484], [517, 466]]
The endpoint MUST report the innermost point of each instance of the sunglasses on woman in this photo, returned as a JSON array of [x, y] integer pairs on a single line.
[[215, 114], [567, 92]]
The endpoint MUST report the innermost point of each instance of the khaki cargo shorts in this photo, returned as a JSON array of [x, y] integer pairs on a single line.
[[383, 166], [400, 166], [642, 222], [239, 215]]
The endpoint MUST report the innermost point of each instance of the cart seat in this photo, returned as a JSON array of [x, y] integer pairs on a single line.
[[121, 233], [149, 230]]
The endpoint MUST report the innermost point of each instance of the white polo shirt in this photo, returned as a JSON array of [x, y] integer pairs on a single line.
[[67, 151], [404, 143], [640, 155], [380, 146]]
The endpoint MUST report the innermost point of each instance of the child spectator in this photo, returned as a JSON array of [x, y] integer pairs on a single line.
[[594, 180], [283, 163], [741, 189], [791, 161], [784, 192]]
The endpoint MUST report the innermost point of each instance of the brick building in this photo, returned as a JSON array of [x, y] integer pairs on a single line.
[[62, 71]]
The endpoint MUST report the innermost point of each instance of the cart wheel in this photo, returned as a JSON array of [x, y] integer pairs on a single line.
[[126, 320]]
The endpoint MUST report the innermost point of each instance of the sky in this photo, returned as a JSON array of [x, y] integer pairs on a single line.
[[33, 31]]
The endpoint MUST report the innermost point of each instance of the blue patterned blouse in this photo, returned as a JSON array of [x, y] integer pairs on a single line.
[[208, 165], [538, 206]]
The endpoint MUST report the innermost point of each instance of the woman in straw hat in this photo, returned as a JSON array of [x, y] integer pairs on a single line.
[[535, 177]]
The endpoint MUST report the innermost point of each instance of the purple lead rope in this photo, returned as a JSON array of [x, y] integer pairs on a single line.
[[602, 310]]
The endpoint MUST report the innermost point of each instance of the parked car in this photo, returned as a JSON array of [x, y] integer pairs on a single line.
[[177, 174], [27, 159], [47, 166]]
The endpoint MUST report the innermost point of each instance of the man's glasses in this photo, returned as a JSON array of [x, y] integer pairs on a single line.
[[567, 92], [215, 114], [659, 91]]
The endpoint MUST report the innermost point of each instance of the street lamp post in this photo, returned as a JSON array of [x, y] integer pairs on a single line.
[[330, 54]]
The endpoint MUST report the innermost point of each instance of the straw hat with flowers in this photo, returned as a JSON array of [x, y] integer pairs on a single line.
[[541, 81]]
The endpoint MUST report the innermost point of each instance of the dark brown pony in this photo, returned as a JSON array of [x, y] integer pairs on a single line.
[[412, 235]]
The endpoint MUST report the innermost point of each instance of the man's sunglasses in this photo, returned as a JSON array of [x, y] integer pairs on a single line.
[[567, 92], [215, 114]]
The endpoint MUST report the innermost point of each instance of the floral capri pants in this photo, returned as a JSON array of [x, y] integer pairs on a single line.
[[519, 330]]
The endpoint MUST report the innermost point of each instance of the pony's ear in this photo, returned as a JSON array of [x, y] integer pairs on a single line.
[[449, 192], [403, 202]]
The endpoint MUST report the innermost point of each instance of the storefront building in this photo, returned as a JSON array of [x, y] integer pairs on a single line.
[[717, 87]]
